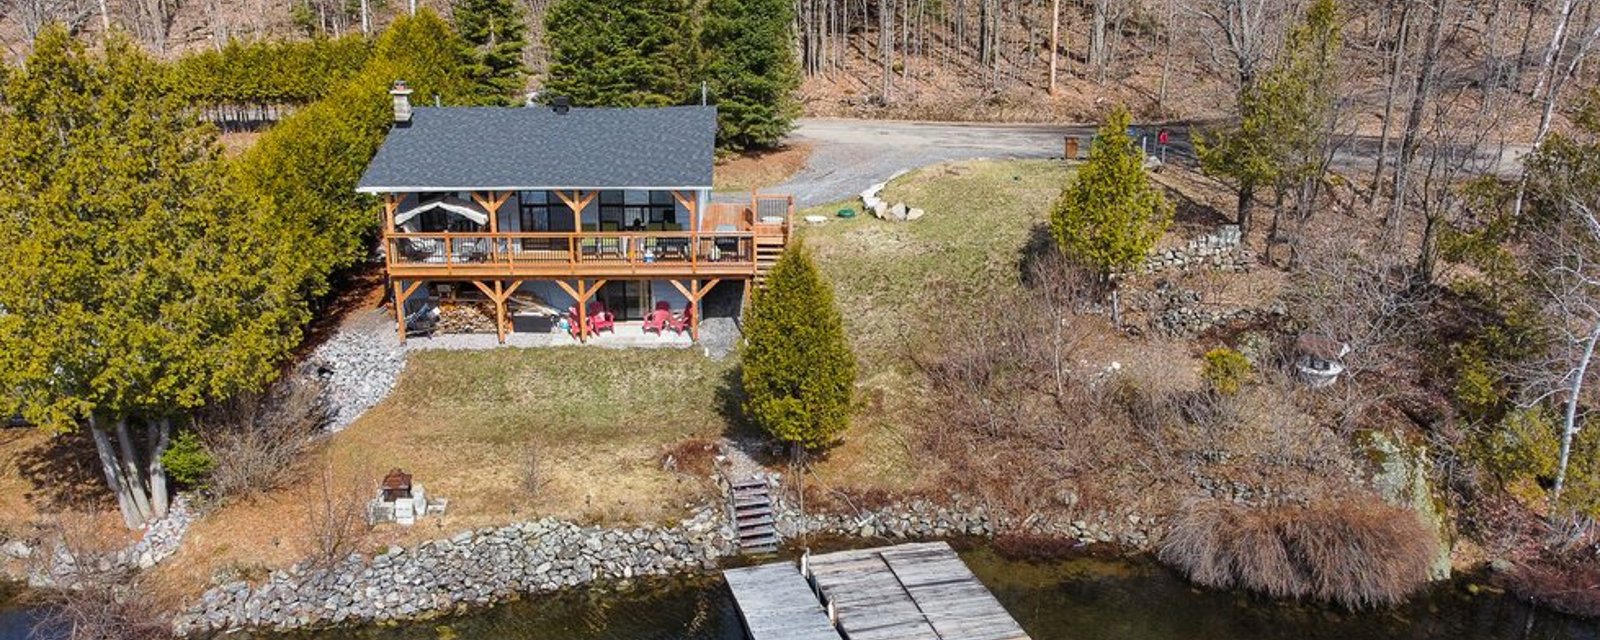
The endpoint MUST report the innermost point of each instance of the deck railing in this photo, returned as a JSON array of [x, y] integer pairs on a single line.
[[725, 244], [627, 251]]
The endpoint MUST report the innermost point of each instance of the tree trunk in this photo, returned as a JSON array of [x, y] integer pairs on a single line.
[[1399, 55], [1247, 193], [1055, 40], [1097, 40], [131, 475], [1558, 39], [113, 472], [886, 44], [1569, 422], [1419, 100], [160, 437], [1428, 254]]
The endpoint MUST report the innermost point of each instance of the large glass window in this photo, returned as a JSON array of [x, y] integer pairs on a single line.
[[535, 209]]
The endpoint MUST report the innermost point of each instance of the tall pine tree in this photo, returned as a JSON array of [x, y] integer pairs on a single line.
[[752, 70], [495, 35], [799, 374], [622, 53]]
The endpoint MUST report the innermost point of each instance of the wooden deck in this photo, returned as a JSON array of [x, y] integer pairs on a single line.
[[777, 604], [919, 591]]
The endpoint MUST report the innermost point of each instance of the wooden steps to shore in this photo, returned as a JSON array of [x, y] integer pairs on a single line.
[[750, 505]]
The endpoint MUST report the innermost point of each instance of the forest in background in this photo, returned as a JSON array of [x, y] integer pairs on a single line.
[[950, 59]]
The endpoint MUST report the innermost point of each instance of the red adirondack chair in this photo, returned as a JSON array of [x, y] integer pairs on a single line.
[[658, 320], [601, 319], [680, 323]]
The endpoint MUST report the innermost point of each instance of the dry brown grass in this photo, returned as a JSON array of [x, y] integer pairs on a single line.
[[1358, 551], [756, 170], [460, 422]]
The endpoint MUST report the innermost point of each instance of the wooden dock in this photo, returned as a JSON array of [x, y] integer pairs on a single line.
[[919, 591], [776, 603]]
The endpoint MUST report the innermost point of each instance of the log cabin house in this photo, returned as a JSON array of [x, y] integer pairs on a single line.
[[568, 206]]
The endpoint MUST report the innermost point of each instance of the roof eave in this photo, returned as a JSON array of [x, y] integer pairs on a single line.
[[378, 189]]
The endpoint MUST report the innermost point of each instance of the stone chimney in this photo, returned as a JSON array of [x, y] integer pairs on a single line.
[[402, 102]]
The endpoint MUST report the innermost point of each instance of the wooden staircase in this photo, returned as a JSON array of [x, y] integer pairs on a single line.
[[768, 250], [754, 525]]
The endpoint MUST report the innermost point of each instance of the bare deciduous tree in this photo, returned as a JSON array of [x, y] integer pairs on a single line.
[[336, 517]]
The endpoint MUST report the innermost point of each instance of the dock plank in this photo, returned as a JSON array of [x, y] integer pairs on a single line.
[[776, 603], [919, 591]]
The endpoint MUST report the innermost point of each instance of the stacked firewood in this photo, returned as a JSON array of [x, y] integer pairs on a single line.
[[466, 317]]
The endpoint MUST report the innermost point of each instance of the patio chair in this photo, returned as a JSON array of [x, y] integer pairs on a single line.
[[420, 249], [658, 320], [680, 323], [601, 319], [472, 250]]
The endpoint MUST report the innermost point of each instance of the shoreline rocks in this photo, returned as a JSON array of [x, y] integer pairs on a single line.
[[471, 568], [491, 565]]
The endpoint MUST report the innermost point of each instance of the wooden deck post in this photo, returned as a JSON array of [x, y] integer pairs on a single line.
[[401, 293], [694, 292], [582, 294], [491, 202], [500, 294], [577, 202]]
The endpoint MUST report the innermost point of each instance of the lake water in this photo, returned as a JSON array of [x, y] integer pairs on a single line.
[[1078, 598]]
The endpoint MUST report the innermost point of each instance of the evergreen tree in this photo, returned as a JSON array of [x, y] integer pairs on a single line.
[[622, 53], [494, 32], [304, 170], [1110, 216], [133, 286], [799, 373], [752, 70], [1285, 119]]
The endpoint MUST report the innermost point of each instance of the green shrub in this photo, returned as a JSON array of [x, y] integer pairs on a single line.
[[187, 462], [799, 373], [1226, 370]]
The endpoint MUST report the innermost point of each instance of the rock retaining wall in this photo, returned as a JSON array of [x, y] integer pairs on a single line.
[[472, 568], [1221, 250], [477, 568]]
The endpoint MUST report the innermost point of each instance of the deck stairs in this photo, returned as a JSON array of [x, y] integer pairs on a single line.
[[754, 523], [768, 250]]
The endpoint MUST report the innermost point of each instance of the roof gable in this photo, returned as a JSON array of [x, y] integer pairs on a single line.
[[504, 148]]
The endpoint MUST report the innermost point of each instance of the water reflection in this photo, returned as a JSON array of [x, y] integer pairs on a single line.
[[698, 608], [1079, 598], [1090, 598]]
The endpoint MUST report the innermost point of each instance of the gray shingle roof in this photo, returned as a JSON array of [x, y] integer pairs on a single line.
[[466, 148]]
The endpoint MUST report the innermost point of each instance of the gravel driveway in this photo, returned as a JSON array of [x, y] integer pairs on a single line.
[[849, 155]]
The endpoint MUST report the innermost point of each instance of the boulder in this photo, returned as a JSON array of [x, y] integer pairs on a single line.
[[898, 211], [913, 213]]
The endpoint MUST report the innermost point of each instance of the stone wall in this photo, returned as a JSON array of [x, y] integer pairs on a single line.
[[477, 568], [1221, 250], [472, 568]]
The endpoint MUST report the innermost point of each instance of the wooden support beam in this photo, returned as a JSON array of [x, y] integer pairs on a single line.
[[499, 306], [500, 311], [582, 294], [491, 202], [400, 296], [694, 292], [391, 203]]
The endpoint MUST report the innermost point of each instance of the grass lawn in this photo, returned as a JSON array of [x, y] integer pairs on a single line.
[[599, 420], [979, 215]]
